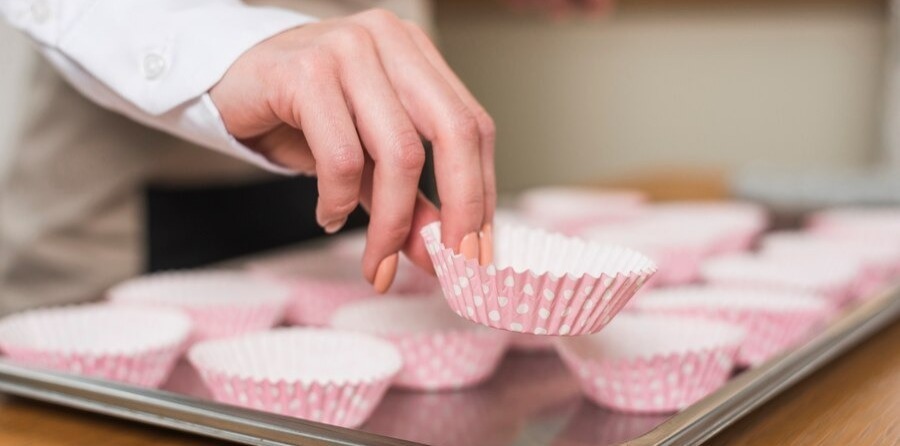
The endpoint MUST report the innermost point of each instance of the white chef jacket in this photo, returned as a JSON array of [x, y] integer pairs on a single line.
[[136, 76]]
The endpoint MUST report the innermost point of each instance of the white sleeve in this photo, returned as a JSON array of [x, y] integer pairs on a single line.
[[153, 60]]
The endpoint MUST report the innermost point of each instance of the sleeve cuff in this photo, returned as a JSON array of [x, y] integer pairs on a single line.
[[202, 123], [158, 58]]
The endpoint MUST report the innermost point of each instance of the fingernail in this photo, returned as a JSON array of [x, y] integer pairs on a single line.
[[384, 275], [487, 244], [468, 247], [335, 226]]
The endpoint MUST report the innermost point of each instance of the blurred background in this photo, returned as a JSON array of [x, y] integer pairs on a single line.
[[660, 87]]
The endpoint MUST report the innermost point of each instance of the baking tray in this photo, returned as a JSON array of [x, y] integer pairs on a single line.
[[532, 400]]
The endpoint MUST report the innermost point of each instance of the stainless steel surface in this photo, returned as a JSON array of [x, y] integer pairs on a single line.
[[532, 400]]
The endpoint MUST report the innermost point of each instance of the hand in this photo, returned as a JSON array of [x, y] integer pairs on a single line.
[[561, 8], [347, 100]]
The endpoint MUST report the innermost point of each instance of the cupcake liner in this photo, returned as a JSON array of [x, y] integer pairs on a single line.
[[319, 284], [678, 246], [568, 209], [320, 375], [879, 223], [880, 262], [128, 345], [220, 303], [440, 351], [653, 364], [774, 321], [733, 225], [834, 279], [540, 283]]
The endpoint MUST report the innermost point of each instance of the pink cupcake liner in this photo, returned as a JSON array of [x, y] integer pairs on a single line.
[[568, 209], [834, 279], [774, 321], [540, 283], [734, 225], [319, 284], [440, 351], [651, 363], [220, 303], [880, 262], [879, 223], [133, 346], [320, 375]]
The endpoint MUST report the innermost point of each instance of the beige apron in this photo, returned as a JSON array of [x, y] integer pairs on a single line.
[[71, 182]]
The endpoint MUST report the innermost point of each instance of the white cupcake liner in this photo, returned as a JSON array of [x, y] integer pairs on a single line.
[[834, 279], [676, 243], [220, 303], [539, 283], [321, 375], [567, 209], [653, 364], [733, 225], [440, 350], [129, 345], [880, 262], [774, 320]]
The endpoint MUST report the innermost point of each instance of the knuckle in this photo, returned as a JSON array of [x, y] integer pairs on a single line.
[[394, 232], [340, 206], [486, 125], [313, 63], [352, 37], [470, 205], [381, 16], [346, 163], [465, 127], [414, 28], [409, 154]]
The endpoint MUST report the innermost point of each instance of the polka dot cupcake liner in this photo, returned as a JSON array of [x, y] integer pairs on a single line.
[[833, 278], [133, 346], [440, 350], [320, 375], [653, 363], [318, 282], [220, 303], [540, 283], [774, 321]]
